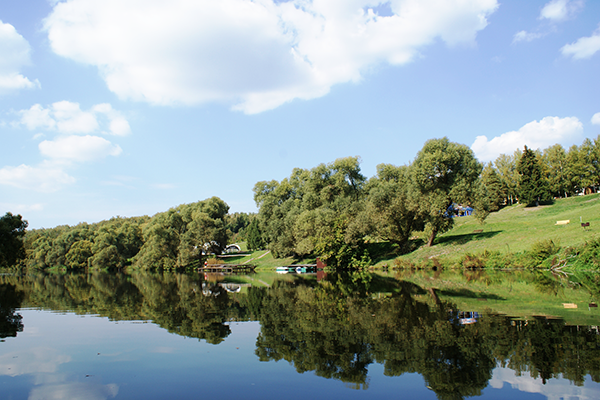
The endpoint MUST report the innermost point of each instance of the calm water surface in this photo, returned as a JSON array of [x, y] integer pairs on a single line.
[[355, 335]]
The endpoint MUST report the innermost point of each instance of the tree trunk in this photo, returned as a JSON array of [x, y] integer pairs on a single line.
[[432, 237]]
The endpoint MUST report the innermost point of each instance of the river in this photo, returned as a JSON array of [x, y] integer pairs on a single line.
[[426, 334]]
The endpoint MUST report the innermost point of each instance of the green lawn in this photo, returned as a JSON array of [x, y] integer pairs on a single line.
[[516, 228]]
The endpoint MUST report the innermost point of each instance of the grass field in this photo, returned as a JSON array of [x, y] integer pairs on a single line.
[[516, 229]]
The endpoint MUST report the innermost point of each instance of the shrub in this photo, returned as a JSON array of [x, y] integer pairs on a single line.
[[542, 250]]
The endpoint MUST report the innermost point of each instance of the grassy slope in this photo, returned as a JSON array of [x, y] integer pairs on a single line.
[[517, 228], [512, 229]]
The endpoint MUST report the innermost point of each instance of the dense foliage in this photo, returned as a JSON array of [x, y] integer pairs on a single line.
[[333, 210], [12, 230], [172, 239]]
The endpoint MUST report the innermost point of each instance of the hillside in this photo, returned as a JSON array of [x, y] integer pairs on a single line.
[[517, 228]]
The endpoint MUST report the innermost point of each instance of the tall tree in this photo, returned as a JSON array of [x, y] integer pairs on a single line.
[[555, 163], [301, 210], [494, 192], [12, 230], [391, 207], [254, 237], [533, 187], [444, 172], [507, 170]]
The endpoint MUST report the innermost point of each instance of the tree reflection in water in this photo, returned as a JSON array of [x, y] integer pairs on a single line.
[[337, 327], [10, 321]]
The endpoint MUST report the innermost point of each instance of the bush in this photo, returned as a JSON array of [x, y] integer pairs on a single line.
[[542, 250], [471, 261], [589, 255]]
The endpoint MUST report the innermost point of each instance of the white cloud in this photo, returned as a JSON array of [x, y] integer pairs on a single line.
[[68, 118], [584, 47], [45, 178], [558, 10], [596, 119], [78, 148], [524, 36], [72, 144], [542, 134], [256, 54], [15, 55], [118, 125]]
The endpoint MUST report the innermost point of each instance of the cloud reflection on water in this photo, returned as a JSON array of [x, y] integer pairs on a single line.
[[554, 389]]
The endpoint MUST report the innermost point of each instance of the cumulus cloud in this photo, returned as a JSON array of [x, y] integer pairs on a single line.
[[73, 143], [542, 134], [78, 148], [558, 10], [15, 52], [256, 55], [596, 119], [44, 178], [584, 47], [67, 117]]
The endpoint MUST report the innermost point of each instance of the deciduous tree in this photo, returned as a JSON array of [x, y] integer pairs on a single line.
[[12, 230], [444, 172]]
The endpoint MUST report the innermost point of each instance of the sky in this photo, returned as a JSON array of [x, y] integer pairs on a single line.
[[131, 107]]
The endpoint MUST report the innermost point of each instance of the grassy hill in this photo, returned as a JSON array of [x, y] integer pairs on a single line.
[[516, 229]]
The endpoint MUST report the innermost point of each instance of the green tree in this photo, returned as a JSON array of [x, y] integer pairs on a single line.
[[444, 172], [254, 238], [78, 254], [583, 166], [12, 230], [391, 208], [295, 212], [180, 236], [554, 160], [507, 171], [494, 192], [533, 187]]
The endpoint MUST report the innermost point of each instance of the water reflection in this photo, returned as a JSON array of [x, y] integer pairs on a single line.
[[10, 320], [338, 327]]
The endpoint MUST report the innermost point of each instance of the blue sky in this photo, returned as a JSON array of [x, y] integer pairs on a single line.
[[130, 107]]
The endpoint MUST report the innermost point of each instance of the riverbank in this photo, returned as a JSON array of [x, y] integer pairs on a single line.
[[514, 237]]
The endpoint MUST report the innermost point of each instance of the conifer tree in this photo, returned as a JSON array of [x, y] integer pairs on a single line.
[[533, 187]]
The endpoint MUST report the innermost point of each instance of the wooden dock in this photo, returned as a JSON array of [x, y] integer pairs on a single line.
[[228, 268]]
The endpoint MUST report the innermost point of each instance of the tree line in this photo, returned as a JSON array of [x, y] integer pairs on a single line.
[[332, 211], [177, 238]]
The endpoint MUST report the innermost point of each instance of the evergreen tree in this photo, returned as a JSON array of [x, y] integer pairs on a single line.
[[494, 192], [533, 187], [254, 238]]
